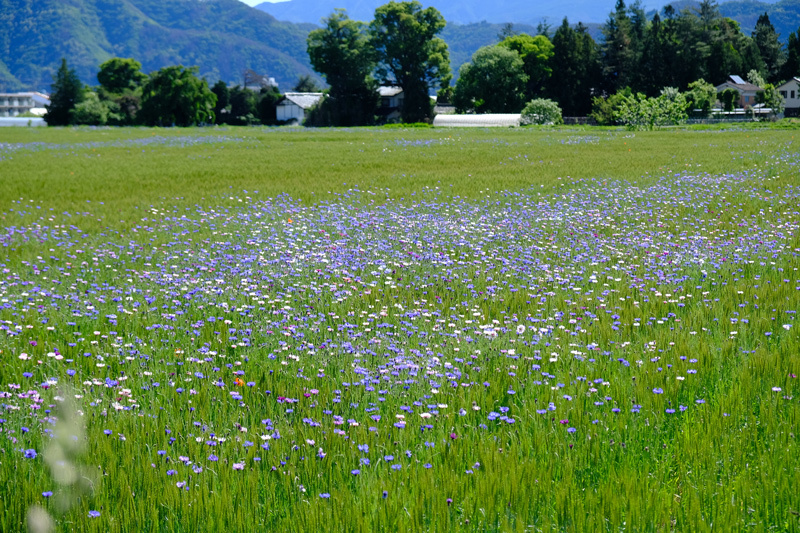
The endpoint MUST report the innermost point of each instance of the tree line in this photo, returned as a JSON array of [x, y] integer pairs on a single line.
[[171, 96], [640, 63]]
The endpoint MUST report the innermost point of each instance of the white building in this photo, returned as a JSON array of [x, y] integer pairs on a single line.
[[790, 92], [294, 107], [15, 104], [487, 120]]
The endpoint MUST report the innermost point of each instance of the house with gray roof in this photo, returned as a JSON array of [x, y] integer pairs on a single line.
[[747, 91], [293, 108]]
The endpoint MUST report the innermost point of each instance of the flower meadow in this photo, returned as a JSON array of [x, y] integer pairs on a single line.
[[606, 354]]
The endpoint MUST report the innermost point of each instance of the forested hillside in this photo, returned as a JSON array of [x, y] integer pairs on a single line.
[[221, 37]]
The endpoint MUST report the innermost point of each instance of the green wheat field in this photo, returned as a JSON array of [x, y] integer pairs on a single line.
[[399, 329]]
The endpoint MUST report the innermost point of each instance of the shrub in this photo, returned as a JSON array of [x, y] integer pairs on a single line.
[[541, 111]]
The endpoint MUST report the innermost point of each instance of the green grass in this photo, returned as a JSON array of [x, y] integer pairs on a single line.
[[305, 240]]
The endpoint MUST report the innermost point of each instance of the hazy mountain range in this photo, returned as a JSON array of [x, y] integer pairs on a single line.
[[458, 11], [501, 11], [225, 37]]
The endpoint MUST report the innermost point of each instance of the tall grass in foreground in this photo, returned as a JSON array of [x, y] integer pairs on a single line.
[[563, 336]]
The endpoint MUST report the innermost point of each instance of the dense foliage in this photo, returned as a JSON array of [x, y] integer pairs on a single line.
[[410, 54], [342, 54], [494, 82], [541, 111]]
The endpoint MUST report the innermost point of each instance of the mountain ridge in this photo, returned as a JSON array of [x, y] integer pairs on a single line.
[[221, 37]]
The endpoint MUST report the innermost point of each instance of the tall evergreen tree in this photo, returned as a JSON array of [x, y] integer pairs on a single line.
[[67, 92], [655, 65], [620, 49], [768, 42], [576, 70], [791, 67]]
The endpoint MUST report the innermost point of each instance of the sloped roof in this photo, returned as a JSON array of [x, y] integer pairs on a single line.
[[795, 80], [738, 83], [303, 100]]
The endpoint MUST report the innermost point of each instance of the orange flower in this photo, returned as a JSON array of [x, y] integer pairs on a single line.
[[238, 382]]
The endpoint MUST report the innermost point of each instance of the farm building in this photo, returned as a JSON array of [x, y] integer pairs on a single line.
[[391, 103], [501, 120], [294, 107], [790, 92], [747, 91], [15, 104]]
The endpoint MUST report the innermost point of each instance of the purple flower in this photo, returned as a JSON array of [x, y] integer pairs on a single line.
[[30, 454], [171, 472], [94, 514], [658, 391], [324, 495], [355, 472], [385, 494], [213, 457], [47, 493], [571, 430]]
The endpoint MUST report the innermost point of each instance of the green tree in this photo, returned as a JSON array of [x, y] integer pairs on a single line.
[[117, 75], [494, 82], [541, 111], [620, 48], [410, 55], [791, 67], [66, 93], [701, 96], [606, 110], [120, 89], [535, 53], [221, 107], [728, 97], [771, 98], [91, 111], [768, 42], [243, 106], [576, 71], [306, 84], [176, 96], [638, 112], [267, 100], [340, 51]]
